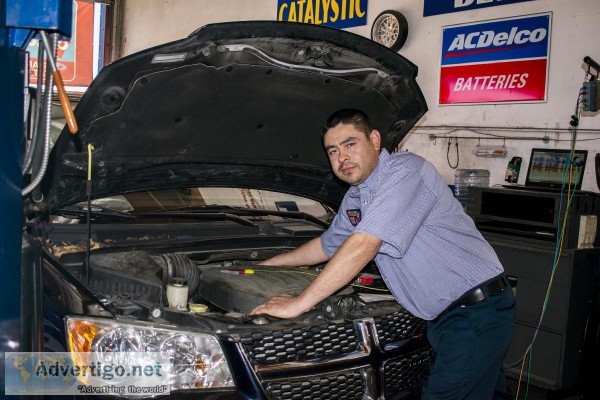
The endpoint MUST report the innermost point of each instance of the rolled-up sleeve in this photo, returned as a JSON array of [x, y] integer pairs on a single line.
[[338, 232]]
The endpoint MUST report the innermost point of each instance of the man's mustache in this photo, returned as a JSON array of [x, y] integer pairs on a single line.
[[346, 165]]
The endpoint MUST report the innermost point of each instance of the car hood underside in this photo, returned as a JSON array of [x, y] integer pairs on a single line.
[[236, 104]]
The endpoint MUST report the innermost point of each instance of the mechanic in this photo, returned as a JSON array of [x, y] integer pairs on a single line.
[[437, 265]]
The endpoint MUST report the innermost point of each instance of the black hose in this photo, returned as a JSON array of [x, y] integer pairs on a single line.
[[179, 266]]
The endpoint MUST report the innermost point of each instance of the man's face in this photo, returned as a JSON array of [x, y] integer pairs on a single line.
[[353, 155]]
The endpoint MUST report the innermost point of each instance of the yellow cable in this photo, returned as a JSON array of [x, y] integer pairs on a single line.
[[569, 199], [90, 148], [521, 373]]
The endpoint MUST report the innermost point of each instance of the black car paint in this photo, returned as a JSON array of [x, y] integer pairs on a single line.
[[296, 166], [230, 118]]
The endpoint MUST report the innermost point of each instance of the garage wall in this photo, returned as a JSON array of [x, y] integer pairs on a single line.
[[518, 127]]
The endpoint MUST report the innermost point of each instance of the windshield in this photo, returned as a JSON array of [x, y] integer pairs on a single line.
[[180, 199]]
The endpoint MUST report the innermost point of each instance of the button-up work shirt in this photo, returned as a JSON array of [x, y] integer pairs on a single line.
[[432, 253]]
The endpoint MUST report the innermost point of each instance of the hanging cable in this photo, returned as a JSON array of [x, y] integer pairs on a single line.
[[50, 53], [563, 216], [36, 119], [448, 154]]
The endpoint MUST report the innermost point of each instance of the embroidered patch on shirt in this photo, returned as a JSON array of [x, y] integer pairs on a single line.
[[353, 216]]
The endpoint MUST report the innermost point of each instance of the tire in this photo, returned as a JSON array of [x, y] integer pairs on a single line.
[[390, 29]]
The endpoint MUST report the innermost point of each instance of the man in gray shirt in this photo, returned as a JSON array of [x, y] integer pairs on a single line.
[[400, 212]]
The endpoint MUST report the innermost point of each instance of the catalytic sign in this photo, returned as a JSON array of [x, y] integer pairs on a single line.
[[435, 7], [333, 13], [503, 60]]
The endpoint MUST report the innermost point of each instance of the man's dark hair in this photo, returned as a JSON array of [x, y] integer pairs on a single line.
[[349, 116]]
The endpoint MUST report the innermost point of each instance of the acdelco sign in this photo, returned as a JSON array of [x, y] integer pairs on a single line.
[[514, 38], [504, 60], [434, 7], [479, 40]]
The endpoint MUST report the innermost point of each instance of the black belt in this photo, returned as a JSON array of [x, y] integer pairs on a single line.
[[479, 293]]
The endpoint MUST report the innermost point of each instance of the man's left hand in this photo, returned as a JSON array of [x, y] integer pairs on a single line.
[[283, 306]]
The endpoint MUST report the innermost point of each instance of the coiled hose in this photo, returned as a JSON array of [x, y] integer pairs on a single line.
[[179, 266]]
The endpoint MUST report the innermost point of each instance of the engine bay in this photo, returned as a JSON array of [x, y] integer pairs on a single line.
[[219, 294]]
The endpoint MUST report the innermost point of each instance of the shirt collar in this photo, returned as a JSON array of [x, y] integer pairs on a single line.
[[374, 177]]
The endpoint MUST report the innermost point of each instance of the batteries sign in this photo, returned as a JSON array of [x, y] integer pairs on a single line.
[[503, 60]]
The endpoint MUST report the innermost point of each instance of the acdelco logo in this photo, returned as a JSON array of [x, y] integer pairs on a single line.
[[478, 40]]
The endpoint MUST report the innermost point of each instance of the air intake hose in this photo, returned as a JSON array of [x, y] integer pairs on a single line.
[[179, 266]]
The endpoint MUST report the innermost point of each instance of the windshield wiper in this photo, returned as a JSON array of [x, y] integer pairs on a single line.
[[199, 213], [194, 209], [284, 214], [240, 211], [96, 213]]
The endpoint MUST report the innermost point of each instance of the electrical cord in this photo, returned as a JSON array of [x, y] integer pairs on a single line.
[[448, 154], [48, 111], [567, 179], [37, 114]]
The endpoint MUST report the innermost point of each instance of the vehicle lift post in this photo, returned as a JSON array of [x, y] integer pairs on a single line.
[[20, 20]]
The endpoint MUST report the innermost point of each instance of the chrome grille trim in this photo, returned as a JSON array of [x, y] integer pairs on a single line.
[[325, 361], [364, 349], [388, 368], [305, 344]]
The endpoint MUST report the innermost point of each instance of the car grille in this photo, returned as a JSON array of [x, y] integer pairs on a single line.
[[287, 360], [405, 372], [300, 344], [341, 385], [397, 327]]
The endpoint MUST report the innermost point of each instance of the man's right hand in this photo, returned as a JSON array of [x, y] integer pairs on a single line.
[[282, 306]]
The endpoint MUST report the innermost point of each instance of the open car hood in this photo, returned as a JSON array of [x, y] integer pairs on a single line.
[[233, 105]]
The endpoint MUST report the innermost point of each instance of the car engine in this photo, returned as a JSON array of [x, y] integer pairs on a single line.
[[351, 343], [233, 288]]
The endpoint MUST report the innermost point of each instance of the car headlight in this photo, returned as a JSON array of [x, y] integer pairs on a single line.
[[192, 360]]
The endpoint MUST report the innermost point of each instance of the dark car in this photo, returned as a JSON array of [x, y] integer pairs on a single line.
[[195, 160]]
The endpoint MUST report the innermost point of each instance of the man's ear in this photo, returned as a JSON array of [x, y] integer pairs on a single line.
[[375, 138]]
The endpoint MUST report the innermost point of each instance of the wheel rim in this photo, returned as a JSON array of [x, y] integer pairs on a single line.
[[386, 30]]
